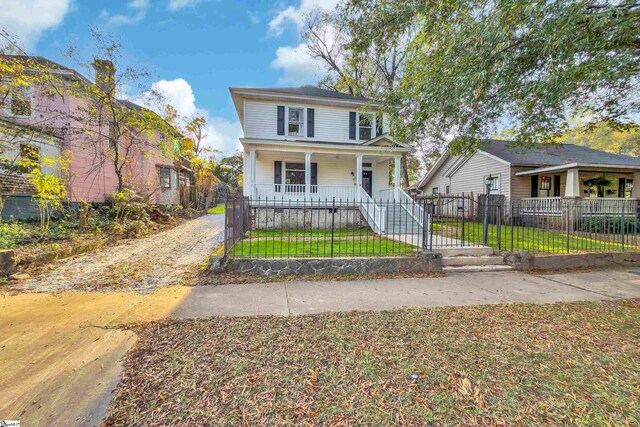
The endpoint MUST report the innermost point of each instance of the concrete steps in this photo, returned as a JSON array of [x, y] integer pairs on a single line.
[[476, 268], [472, 260], [471, 251]]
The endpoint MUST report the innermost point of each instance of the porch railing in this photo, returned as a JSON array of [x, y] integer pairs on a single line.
[[298, 192], [554, 205]]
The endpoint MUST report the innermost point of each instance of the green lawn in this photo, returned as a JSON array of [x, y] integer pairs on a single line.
[[495, 365], [316, 246], [219, 209], [528, 239], [301, 233]]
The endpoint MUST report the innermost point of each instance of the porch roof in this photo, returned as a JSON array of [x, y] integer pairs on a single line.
[[330, 147], [581, 166]]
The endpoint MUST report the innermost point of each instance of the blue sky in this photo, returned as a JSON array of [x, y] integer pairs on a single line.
[[195, 49]]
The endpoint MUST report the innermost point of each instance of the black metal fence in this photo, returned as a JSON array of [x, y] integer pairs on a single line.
[[544, 226], [279, 228]]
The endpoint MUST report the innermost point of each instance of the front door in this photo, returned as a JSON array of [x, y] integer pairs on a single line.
[[367, 181]]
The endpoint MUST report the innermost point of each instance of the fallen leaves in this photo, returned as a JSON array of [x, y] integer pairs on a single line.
[[518, 364]]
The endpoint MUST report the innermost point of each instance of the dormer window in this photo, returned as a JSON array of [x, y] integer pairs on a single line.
[[296, 121], [365, 126]]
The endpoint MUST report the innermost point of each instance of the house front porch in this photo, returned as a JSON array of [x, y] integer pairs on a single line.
[[600, 189]]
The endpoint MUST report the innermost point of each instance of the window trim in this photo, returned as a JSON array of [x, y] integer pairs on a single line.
[[372, 127], [8, 105], [162, 187], [435, 191], [301, 124]]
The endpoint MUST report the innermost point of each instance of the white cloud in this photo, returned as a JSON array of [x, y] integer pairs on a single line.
[[139, 9], [296, 15], [28, 20], [297, 66], [180, 4], [222, 134]]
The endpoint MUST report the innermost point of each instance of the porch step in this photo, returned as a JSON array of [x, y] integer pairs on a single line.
[[458, 261], [476, 268], [465, 251]]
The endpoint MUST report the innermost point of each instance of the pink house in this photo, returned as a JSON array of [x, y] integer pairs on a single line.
[[36, 119]]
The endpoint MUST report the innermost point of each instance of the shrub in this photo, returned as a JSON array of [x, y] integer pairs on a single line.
[[609, 224], [136, 228]]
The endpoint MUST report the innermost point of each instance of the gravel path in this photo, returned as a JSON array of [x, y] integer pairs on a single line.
[[160, 260]]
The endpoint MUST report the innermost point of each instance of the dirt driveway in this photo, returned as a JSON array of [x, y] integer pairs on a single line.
[[145, 264], [60, 352]]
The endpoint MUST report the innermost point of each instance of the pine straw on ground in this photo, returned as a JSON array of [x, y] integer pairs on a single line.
[[518, 364]]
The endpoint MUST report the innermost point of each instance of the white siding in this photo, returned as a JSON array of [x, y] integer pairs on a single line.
[[331, 123], [469, 178]]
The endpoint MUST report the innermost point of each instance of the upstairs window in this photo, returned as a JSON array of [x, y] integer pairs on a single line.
[[296, 121], [365, 126], [20, 105], [435, 191]]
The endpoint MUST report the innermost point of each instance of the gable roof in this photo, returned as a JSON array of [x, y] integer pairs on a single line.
[[312, 91], [554, 155]]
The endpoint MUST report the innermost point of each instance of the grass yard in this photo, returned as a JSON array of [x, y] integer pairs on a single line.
[[527, 238], [300, 233], [218, 209], [517, 364], [319, 246]]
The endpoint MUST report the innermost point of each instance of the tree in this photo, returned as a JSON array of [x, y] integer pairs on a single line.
[[116, 129], [602, 136], [229, 171], [473, 66], [370, 72]]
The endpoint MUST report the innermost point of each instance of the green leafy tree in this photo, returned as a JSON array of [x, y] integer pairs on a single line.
[[602, 136], [472, 68]]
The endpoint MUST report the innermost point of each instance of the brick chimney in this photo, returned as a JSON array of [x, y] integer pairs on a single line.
[[105, 76]]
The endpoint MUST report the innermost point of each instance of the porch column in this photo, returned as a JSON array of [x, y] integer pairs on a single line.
[[252, 173], [307, 175], [635, 190], [396, 172], [358, 171], [572, 189]]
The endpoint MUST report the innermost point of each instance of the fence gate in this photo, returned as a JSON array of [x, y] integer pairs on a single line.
[[237, 220], [463, 221]]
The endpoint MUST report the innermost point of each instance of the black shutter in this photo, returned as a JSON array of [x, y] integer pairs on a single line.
[[314, 177], [534, 186], [310, 121], [556, 186], [277, 175], [280, 119], [379, 125], [352, 125], [621, 185]]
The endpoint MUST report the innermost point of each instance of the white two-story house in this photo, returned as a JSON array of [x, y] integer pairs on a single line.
[[314, 145]]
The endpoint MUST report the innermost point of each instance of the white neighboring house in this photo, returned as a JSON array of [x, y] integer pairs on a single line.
[[315, 145]]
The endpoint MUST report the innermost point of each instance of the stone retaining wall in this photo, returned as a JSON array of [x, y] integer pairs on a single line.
[[525, 261], [424, 262]]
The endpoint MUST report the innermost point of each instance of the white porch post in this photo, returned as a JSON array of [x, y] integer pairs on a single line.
[[252, 172], [358, 171], [635, 190], [572, 189], [307, 175], [396, 172]]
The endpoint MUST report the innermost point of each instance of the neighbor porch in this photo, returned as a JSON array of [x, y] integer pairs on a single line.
[[602, 189]]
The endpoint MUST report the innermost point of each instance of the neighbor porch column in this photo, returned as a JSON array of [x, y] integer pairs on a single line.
[[307, 175], [635, 190], [572, 189], [397, 168], [252, 172]]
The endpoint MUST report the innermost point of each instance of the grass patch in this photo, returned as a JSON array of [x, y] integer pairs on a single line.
[[298, 233], [316, 246], [528, 239], [218, 209], [515, 364]]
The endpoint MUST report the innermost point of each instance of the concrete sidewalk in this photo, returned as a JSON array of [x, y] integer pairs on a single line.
[[294, 298]]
